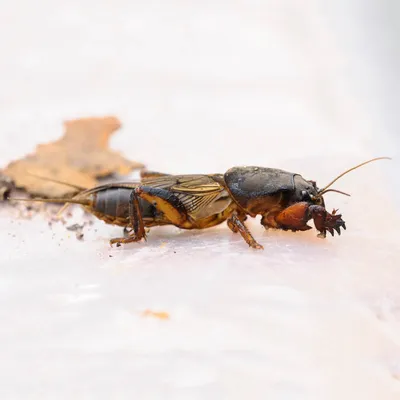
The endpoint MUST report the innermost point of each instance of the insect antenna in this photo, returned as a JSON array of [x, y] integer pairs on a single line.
[[334, 190], [325, 189]]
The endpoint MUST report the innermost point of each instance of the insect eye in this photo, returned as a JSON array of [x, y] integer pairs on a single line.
[[317, 201], [305, 195]]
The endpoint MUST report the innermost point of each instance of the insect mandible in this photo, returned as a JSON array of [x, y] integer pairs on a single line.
[[285, 200]]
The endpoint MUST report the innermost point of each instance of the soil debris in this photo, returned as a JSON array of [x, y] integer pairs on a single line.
[[79, 236], [156, 314], [75, 227], [6, 186]]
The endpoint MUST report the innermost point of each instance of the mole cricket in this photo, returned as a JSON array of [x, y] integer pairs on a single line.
[[285, 200]]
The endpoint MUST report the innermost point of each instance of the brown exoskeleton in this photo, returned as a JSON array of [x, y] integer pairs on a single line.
[[285, 200]]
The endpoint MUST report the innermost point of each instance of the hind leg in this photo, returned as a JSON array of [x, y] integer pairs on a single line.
[[137, 233], [169, 205]]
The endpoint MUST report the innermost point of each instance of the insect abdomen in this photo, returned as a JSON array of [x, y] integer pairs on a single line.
[[112, 205]]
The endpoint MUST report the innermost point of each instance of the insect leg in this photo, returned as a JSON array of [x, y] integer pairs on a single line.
[[324, 221], [166, 202], [296, 216], [232, 226], [268, 221], [136, 221], [236, 224]]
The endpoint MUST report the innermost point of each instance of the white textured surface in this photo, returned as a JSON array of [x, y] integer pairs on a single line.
[[304, 86]]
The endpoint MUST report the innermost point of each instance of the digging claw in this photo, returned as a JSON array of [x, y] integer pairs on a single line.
[[327, 222]]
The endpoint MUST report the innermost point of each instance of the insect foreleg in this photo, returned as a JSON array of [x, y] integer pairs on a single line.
[[324, 221], [268, 221], [236, 224], [296, 216]]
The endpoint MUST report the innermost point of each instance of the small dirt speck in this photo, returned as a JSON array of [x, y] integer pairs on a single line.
[[75, 227], [79, 235]]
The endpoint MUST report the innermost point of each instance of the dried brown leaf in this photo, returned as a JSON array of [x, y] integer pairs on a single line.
[[79, 157]]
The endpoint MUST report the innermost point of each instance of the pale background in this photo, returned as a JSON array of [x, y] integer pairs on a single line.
[[308, 86]]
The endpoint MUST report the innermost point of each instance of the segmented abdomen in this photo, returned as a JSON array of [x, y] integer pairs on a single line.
[[112, 205]]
